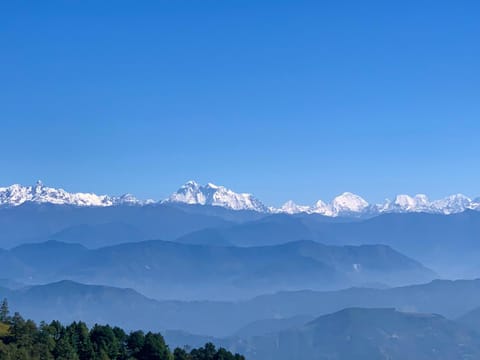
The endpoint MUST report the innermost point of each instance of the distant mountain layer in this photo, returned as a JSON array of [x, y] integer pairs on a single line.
[[344, 205], [69, 301], [341, 335], [168, 269], [436, 240], [357, 333], [100, 226], [471, 319]]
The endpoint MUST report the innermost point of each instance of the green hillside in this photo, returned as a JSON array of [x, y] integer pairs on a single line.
[[22, 339]]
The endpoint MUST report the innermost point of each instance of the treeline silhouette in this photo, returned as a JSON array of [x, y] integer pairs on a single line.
[[22, 339]]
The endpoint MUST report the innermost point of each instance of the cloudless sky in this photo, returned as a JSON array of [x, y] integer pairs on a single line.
[[285, 99]]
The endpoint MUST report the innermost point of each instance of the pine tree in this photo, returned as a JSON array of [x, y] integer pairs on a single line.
[[64, 350], [21, 339], [4, 311], [180, 354]]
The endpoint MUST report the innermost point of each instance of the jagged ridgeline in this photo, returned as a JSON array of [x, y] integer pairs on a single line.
[[346, 204], [22, 339]]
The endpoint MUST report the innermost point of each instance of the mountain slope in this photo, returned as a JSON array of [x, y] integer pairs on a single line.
[[268, 326], [448, 298], [48, 257], [157, 268], [99, 235], [68, 301], [40, 222], [270, 230], [436, 240], [347, 334], [471, 319], [369, 334]]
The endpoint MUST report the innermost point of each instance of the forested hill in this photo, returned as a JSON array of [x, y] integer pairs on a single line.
[[22, 339]]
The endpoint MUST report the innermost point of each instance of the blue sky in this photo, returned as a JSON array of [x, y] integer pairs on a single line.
[[286, 99]]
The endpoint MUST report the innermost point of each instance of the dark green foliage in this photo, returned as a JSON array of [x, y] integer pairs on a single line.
[[208, 352], [154, 348], [180, 354], [105, 342], [135, 342], [23, 340]]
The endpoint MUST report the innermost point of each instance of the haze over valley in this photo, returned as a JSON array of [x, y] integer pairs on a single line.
[[242, 278], [239, 180]]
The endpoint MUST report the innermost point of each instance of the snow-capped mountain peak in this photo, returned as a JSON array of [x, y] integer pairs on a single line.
[[348, 203], [189, 193], [17, 194], [291, 208], [215, 195], [420, 203], [451, 204], [321, 208], [406, 203], [344, 205], [130, 199]]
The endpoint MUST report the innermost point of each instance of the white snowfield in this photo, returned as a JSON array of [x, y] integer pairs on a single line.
[[211, 194], [346, 204], [16, 194], [351, 204]]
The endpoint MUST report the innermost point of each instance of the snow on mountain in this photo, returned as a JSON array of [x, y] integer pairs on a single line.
[[321, 208], [16, 194], [451, 204], [129, 199], [291, 208], [211, 194], [420, 203], [346, 204], [406, 203], [475, 205], [343, 205]]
